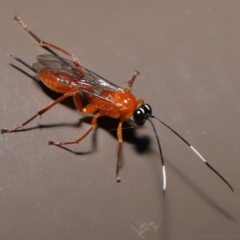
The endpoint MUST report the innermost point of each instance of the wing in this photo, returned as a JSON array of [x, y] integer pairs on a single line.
[[80, 79]]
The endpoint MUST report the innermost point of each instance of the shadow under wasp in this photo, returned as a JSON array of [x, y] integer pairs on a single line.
[[104, 98]]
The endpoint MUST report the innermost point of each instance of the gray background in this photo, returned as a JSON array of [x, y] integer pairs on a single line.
[[188, 55]]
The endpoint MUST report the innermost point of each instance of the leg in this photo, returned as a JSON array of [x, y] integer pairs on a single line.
[[140, 101], [87, 109], [130, 82], [8, 130], [94, 124], [46, 44], [119, 134]]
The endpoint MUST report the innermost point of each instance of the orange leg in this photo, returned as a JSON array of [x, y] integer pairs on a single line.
[[140, 101], [130, 82], [119, 134], [46, 44], [94, 124], [90, 108], [8, 130]]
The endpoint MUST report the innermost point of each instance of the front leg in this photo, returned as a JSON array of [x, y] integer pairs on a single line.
[[130, 82], [120, 140]]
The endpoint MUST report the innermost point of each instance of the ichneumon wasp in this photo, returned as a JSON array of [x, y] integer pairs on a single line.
[[104, 98]]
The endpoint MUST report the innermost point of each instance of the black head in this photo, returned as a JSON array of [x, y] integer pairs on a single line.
[[141, 114]]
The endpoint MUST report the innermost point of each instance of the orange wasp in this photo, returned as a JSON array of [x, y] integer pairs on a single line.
[[104, 98]]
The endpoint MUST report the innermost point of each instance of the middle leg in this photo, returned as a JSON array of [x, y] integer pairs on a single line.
[[94, 124]]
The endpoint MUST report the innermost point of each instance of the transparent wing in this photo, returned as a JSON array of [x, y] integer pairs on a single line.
[[79, 79], [57, 63]]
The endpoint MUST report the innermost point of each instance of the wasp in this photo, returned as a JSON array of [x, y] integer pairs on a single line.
[[104, 98]]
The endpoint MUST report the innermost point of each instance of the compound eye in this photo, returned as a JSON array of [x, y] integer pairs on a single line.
[[147, 109], [139, 116]]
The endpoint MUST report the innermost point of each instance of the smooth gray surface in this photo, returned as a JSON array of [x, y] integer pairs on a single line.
[[188, 55]]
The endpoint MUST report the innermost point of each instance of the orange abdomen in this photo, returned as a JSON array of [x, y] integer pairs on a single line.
[[52, 80]]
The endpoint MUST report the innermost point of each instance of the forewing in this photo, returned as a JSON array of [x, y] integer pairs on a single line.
[[99, 83], [57, 63], [80, 79]]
